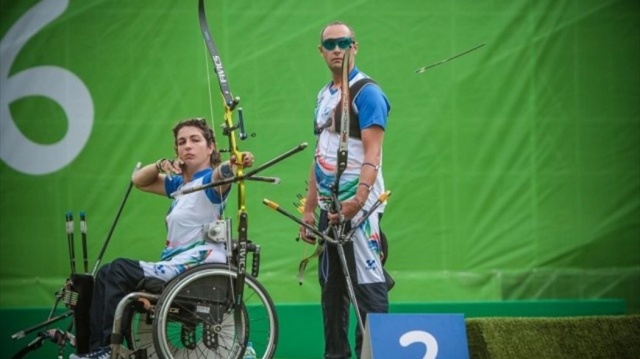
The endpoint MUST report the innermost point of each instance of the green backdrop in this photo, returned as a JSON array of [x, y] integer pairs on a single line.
[[513, 169]]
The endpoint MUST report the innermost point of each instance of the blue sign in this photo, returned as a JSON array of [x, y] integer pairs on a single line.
[[415, 336]]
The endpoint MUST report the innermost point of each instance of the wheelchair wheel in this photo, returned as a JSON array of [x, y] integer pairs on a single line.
[[139, 334], [196, 316]]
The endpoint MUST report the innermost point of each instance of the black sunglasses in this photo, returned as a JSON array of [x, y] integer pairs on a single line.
[[342, 42]]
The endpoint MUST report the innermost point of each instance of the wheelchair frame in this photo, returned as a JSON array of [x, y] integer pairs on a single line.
[[196, 315]]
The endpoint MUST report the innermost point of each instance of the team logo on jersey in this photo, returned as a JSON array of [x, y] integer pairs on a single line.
[[371, 264], [159, 269]]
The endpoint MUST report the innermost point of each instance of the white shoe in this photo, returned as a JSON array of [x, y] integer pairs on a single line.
[[102, 353]]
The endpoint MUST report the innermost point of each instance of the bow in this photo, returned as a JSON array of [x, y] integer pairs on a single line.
[[341, 166], [230, 104], [229, 129], [343, 147]]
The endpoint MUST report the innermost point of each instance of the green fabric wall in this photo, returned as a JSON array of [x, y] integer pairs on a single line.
[[513, 169]]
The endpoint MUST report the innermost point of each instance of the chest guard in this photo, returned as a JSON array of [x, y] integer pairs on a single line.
[[354, 120]]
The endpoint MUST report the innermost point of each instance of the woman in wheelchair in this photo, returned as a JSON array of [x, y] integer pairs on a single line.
[[197, 163]]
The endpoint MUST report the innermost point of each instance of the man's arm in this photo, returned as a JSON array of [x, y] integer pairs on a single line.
[[373, 109], [372, 138], [372, 143]]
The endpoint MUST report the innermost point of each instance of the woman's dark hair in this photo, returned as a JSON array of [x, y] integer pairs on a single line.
[[207, 133]]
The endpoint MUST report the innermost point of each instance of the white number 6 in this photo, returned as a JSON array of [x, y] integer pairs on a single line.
[[58, 84]]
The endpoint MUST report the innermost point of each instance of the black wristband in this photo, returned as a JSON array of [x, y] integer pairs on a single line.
[[375, 167], [225, 170], [159, 164]]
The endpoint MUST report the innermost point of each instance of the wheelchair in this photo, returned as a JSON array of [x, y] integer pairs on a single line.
[[209, 311]]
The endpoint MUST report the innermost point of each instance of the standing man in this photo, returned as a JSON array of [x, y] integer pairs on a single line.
[[360, 185]]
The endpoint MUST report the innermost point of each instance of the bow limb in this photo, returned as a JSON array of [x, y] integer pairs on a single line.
[[343, 148], [230, 102]]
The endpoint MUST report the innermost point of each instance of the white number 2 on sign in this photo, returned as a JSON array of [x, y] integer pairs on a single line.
[[418, 336]]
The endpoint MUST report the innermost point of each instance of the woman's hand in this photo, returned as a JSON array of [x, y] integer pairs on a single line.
[[169, 166], [247, 159]]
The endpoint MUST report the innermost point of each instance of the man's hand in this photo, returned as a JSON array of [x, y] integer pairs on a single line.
[[305, 234], [350, 208]]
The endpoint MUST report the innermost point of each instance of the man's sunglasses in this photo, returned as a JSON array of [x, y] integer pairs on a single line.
[[342, 42]]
